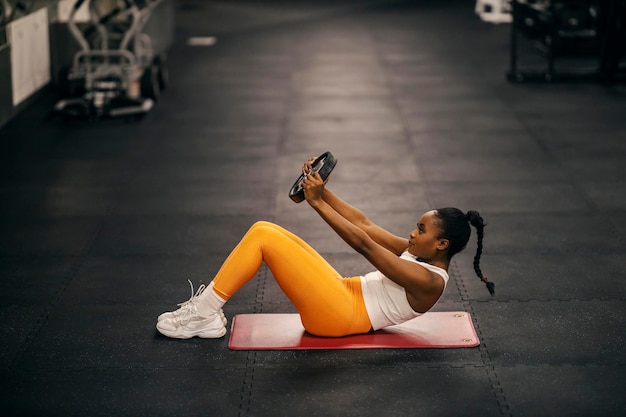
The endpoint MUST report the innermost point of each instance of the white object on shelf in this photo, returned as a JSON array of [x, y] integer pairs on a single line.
[[494, 11]]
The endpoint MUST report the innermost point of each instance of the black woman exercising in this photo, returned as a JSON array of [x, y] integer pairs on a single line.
[[410, 276]]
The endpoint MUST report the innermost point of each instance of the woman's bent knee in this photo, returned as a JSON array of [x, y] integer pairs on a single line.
[[262, 223]]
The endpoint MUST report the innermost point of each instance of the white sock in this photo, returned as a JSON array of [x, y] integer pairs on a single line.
[[209, 302]]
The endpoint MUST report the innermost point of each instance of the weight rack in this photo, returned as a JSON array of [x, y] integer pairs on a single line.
[[565, 36]]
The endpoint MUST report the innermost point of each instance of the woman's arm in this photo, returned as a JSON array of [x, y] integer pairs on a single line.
[[388, 240], [423, 287]]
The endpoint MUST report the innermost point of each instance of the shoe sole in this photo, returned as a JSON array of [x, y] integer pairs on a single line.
[[190, 334]]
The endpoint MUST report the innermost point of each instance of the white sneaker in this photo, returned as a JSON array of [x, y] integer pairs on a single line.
[[189, 304], [193, 325], [185, 322]]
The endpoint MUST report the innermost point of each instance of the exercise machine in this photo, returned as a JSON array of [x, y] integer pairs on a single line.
[[14, 9], [560, 32], [116, 72]]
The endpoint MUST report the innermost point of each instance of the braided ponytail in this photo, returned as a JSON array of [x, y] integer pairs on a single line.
[[475, 220], [453, 223]]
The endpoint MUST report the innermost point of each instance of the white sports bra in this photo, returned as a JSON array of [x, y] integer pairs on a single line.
[[386, 301]]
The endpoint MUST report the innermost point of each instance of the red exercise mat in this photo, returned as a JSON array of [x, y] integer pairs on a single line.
[[452, 329]]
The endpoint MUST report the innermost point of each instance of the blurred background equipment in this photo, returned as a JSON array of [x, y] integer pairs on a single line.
[[116, 72], [13, 9], [566, 39], [494, 11]]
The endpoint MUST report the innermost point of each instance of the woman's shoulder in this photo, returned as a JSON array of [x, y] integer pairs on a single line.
[[439, 271]]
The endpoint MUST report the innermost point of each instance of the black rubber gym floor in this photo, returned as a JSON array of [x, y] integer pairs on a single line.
[[102, 223]]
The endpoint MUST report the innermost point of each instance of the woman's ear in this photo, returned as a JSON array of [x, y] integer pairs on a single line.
[[443, 244]]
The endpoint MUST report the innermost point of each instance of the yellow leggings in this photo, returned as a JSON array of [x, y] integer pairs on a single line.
[[329, 305]]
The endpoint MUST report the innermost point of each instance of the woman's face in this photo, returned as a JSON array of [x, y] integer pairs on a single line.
[[425, 241]]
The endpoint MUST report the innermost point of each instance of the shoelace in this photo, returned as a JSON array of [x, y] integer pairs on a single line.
[[187, 309]]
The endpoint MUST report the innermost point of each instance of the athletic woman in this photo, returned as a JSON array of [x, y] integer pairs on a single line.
[[410, 276]]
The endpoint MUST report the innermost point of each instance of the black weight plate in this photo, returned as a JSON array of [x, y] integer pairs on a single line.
[[323, 164]]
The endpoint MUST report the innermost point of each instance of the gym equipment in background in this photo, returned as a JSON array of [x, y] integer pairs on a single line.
[[554, 33], [116, 73]]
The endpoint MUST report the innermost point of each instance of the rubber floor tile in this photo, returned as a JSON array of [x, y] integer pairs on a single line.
[[564, 390], [123, 392], [550, 233], [510, 197], [170, 235], [115, 336], [532, 276], [564, 332], [301, 391], [47, 236]]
